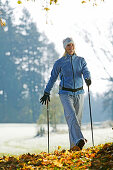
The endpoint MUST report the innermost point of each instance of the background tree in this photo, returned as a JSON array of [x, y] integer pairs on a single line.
[[8, 71], [108, 95], [56, 113], [26, 56], [107, 55], [108, 98], [36, 59]]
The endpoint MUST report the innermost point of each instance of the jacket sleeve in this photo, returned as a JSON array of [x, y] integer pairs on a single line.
[[54, 75], [85, 71]]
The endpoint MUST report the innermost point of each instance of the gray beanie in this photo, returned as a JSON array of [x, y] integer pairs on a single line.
[[67, 41]]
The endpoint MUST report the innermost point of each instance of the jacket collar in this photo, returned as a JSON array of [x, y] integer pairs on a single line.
[[68, 55]]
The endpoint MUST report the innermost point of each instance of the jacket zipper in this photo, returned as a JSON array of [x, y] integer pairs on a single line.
[[73, 72]]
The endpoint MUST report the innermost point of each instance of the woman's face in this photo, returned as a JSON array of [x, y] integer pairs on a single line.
[[70, 48]]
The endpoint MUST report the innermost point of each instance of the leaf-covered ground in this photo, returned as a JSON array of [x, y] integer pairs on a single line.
[[98, 157]]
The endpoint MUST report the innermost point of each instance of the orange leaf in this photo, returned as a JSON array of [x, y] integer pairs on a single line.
[[59, 147], [47, 9]]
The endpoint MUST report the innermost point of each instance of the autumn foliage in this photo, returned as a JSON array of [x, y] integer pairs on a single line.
[[98, 157], [49, 3], [2, 23]]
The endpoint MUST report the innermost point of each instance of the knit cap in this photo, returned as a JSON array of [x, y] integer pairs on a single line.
[[67, 41]]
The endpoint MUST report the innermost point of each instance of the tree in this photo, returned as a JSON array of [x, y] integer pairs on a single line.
[[48, 3], [56, 113], [108, 101], [108, 98], [105, 59], [37, 57], [25, 57], [8, 70]]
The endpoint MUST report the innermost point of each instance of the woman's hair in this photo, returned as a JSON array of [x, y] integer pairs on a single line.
[[66, 53]]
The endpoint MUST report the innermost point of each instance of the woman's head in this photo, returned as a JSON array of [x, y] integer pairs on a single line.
[[69, 46]]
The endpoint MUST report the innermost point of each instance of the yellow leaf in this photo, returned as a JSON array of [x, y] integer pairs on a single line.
[[83, 2], [19, 2], [51, 2], [57, 163], [47, 9], [55, 1], [2, 23]]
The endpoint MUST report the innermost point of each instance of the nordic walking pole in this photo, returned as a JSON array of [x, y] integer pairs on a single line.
[[48, 123], [90, 116]]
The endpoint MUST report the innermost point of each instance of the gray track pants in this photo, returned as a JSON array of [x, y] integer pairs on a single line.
[[73, 107]]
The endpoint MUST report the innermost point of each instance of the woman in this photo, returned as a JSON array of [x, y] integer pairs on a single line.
[[71, 69]]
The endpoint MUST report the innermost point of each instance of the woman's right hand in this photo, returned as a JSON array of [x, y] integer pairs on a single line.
[[45, 97]]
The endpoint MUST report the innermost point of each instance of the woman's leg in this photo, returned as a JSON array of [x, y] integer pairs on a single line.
[[75, 133], [78, 105]]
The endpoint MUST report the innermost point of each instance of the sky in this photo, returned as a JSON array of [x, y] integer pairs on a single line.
[[87, 24]]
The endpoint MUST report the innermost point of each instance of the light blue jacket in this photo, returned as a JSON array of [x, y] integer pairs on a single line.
[[71, 70]]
